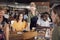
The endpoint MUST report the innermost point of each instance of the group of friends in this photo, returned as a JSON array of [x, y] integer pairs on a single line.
[[32, 21]]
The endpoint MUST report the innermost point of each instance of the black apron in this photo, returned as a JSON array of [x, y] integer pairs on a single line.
[[33, 22]]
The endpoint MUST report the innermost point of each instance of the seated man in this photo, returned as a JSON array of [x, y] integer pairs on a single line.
[[43, 21], [44, 24]]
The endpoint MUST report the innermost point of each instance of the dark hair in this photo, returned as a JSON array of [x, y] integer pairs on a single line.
[[57, 10], [17, 17], [43, 14], [46, 13], [26, 11]]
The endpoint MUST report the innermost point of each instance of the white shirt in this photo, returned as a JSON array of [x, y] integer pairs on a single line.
[[49, 19], [43, 23], [25, 16], [6, 15]]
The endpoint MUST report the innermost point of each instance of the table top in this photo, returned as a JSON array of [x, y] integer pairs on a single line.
[[24, 35]]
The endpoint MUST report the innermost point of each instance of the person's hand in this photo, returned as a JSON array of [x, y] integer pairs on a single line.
[[33, 28], [14, 30]]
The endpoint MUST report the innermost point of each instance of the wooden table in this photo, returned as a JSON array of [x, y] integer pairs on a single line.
[[29, 35], [24, 36]]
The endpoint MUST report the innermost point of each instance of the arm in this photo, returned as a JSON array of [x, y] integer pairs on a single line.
[[12, 25], [7, 31], [38, 26], [28, 21], [41, 27]]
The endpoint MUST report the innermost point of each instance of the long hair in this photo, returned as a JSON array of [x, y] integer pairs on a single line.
[[57, 11], [17, 17]]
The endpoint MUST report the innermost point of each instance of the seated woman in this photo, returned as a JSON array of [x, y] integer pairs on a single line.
[[19, 24]]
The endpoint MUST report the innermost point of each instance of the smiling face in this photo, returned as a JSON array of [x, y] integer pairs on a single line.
[[32, 6], [21, 16], [44, 16]]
